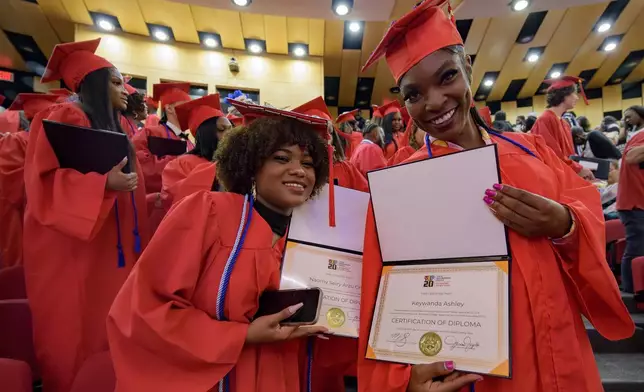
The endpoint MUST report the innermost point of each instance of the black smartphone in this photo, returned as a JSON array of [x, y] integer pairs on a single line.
[[272, 302]]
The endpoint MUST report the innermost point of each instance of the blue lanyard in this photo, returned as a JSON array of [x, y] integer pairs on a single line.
[[507, 139], [167, 130], [131, 126]]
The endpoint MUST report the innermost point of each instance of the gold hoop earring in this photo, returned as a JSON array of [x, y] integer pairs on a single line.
[[253, 190]]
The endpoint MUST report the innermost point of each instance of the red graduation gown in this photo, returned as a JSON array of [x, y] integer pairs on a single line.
[[152, 120], [9, 121], [152, 166], [12, 197], [349, 176], [70, 257], [128, 126], [401, 155], [368, 156], [162, 328], [558, 136], [551, 286], [200, 179]]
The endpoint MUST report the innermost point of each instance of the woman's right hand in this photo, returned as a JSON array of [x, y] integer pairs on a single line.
[[422, 378], [267, 329], [119, 181]]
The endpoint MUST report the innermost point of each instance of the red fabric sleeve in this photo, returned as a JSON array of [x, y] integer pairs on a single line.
[[151, 166], [73, 203], [549, 127], [584, 260]]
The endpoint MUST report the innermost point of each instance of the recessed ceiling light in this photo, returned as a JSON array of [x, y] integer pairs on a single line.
[[255, 48], [354, 27], [555, 74], [342, 9], [533, 58], [610, 47], [161, 35], [299, 51], [604, 27], [520, 5], [106, 25], [241, 3], [488, 82], [210, 42]]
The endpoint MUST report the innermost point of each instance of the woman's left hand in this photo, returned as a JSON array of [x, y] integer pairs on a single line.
[[527, 213]]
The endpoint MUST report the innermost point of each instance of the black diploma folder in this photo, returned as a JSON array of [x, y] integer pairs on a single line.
[[161, 146], [599, 167], [86, 149]]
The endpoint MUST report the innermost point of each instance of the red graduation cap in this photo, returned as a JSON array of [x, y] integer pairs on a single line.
[[73, 61], [61, 92], [416, 35], [151, 103], [376, 111], [567, 81], [315, 107], [130, 90], [390, 107], [405, 115], [171, 93], [347, 116], [32, 103], [486, 115], [323, 126], [236, 120], [193, 113]]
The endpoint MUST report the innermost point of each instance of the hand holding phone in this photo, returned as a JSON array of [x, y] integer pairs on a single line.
[[267, 329]]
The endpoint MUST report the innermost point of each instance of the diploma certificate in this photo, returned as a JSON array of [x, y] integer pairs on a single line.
[[439, 312], [337, 273]]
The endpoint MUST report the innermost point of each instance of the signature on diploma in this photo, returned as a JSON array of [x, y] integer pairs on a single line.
[[466, 344], [398, 339]]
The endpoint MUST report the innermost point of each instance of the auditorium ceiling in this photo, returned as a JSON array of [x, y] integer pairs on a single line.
[[559, 35]]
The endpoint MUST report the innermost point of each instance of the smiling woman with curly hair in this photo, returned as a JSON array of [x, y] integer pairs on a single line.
[[184, 320]]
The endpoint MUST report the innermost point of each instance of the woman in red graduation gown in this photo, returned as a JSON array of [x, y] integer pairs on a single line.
[[369, 155], [184, 319], [414, 138], [169, 95], [555, 219], [135, 113], [393, 127], [83, 231], [152, 120], [346, 128]]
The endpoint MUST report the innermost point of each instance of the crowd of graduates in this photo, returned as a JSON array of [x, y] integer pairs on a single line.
[[163, 266]]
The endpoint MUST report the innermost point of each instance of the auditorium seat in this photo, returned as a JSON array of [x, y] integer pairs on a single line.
[[614, 230], [12, 283], [16, 337], [96, 375], [638, 281], [15, 376]]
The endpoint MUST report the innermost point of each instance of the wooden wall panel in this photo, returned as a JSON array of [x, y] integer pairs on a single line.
[[276, 33], [348, 77], [317, 29]]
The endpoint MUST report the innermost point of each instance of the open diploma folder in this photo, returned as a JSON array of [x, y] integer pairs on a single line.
[[329, 257], [86, 149], [444, 288]]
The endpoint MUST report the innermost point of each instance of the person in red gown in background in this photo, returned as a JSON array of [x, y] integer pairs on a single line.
[[13, 148], [393, 128], [169, 95], [344, 173], [83, 232], [369, 156], [9, 120], [561, 97], [235, 120], [555, 222], [152, 119], [184, 319], [413, 139], [486, 115], [208, 125], [63, 94], [346, 128], [136, 112]]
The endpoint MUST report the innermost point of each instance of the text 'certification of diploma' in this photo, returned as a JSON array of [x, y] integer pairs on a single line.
[[329, 257], [445, 281]]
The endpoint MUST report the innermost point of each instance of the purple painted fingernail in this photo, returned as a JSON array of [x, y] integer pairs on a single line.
[[449, 365], [488, 200], [498, 187], [490, 192]]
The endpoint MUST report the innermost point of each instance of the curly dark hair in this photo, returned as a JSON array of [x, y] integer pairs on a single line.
[[556, 97], [245, 149], [135, 104]]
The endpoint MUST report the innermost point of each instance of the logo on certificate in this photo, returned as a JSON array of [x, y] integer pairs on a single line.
[[430, 344], [335, 317], [437, 281], [333, 264], [429, 281]]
